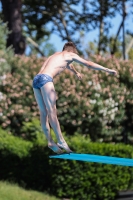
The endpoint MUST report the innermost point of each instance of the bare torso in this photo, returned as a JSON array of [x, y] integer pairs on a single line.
[[55, 64]]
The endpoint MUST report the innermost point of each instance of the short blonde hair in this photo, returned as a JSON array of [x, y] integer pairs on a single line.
[[70, 47]]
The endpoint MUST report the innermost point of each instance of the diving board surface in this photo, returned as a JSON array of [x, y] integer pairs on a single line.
[[95, 158]]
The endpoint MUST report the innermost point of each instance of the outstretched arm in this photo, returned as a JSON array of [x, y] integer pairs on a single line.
[[89, 64], [72, 68]]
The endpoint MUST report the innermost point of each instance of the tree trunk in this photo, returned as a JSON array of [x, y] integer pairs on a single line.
[[12, 15]]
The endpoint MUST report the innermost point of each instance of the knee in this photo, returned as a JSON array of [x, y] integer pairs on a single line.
[[44, 119], [42, 109], [51, 110], [43, 114]]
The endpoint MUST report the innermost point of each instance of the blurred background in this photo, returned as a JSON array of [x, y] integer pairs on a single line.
[[96, 114], [102, 24]]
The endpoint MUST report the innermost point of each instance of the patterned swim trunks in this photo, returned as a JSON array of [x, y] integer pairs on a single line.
[[41, 79]]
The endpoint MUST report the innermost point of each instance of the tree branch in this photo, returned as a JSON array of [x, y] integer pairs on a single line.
[[35, 45], [64, 23]]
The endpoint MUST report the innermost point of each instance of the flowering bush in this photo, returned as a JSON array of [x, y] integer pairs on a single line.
[[18, 104], [100, 105]]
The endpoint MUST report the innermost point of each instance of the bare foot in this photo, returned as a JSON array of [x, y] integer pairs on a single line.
[[64, 145], [55, 148]]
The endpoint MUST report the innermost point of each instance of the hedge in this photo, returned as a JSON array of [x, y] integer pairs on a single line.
[[28, 164]]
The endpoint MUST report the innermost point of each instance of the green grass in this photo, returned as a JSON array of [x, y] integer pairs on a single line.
[[10, 191]]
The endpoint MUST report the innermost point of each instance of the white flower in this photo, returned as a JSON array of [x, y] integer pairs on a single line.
[[93, 101], [97, 86], [97, 95], [90, 82], [3, 77]]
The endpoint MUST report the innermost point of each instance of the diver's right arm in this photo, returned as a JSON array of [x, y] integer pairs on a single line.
[[90, 64]]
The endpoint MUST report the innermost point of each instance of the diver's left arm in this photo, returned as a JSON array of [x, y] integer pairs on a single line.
[[72, 68]]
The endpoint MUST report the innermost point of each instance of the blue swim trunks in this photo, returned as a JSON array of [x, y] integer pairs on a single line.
[[40, 80]]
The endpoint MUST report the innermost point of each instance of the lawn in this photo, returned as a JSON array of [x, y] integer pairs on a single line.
[[10, 191]]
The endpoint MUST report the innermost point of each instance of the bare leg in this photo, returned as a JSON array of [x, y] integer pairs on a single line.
[[44, 121], [49, 96]]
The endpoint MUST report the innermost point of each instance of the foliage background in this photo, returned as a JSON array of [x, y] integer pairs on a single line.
[[100, 106]]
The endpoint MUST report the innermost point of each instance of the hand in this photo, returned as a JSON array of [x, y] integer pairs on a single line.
[[113, 72], [79, 75]]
